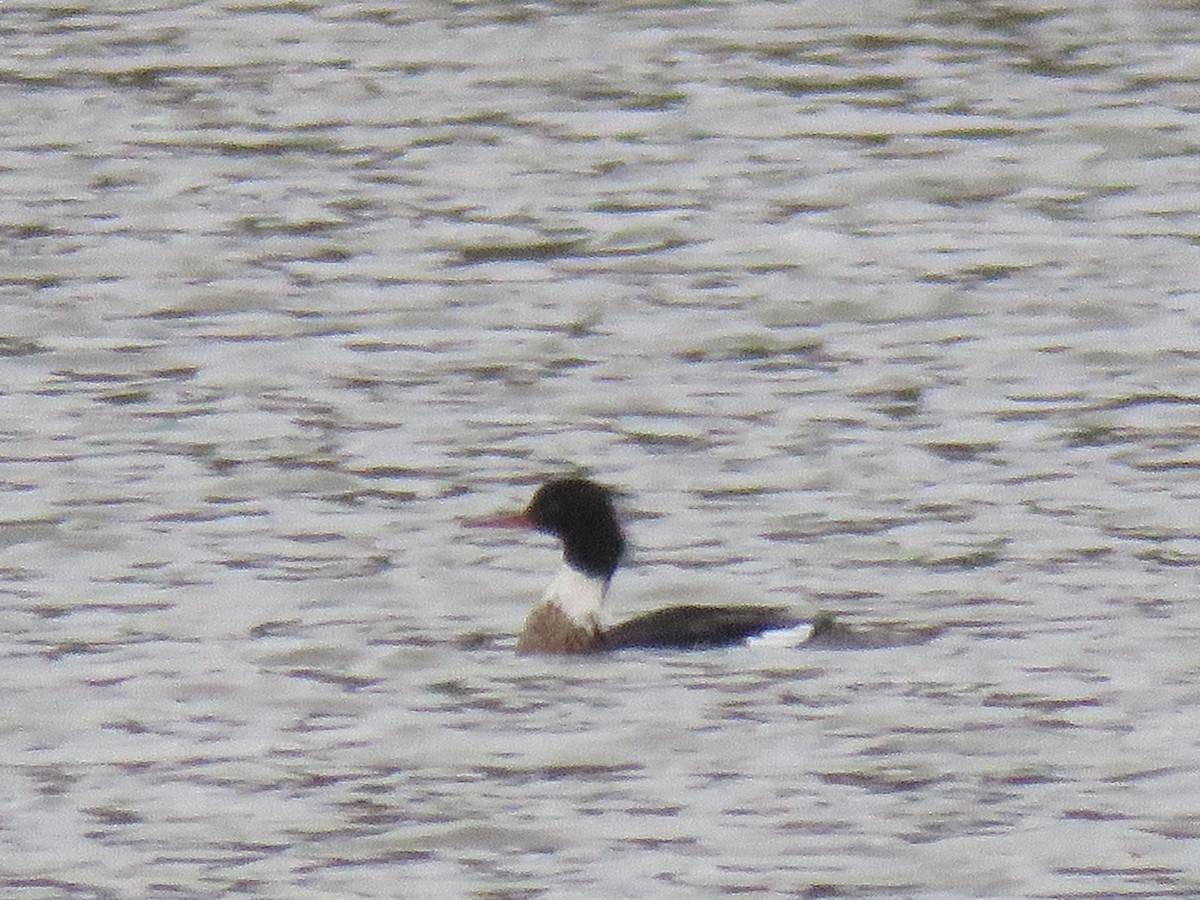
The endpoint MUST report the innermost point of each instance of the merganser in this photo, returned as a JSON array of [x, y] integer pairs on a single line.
[[580, 513]]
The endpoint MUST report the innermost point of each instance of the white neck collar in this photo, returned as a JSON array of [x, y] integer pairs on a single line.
[[578, 595]]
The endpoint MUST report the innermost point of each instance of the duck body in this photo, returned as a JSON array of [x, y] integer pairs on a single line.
[[568, 619], [695, 627]]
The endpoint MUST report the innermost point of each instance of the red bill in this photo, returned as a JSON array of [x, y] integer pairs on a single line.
[[501, 520]]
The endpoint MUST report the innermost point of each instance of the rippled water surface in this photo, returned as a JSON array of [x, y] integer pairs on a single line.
[[885, 309]]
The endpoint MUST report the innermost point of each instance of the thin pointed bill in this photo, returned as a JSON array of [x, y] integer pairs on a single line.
[[502, 520]]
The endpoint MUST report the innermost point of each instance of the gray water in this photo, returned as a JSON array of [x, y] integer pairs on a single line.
[[885, 309]]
